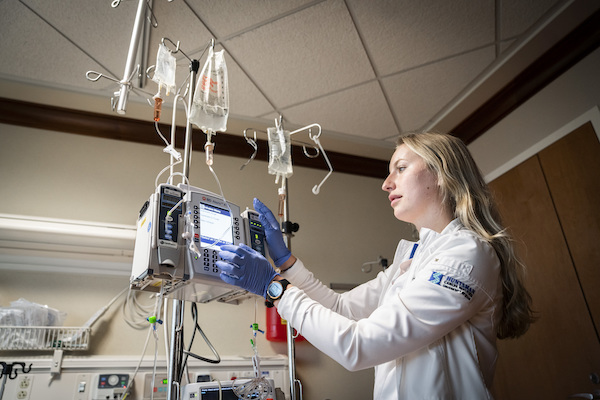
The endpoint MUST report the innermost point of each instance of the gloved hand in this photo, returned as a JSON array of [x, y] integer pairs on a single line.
[[245, 267], [277, 248]]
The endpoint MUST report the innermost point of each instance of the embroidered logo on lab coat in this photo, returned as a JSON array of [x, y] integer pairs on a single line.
[[451, 283]]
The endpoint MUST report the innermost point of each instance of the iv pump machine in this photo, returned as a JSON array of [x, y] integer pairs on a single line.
[[179, 232]]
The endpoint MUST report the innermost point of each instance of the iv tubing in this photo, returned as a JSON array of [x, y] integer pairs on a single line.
[[158, 310], [223, 197], [163, 171], [139, 363], [193, 248], [166, 327], [157, 128], [135, 313], [150, 330]]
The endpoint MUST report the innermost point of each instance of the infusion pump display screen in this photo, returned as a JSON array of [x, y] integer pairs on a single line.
[[215, 226], [213, 394]]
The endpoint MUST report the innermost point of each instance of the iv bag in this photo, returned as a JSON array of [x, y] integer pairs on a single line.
[[280, 153], [210, 107], [166, 64]]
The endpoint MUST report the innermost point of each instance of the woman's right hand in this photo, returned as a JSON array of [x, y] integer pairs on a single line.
[[277, 249]]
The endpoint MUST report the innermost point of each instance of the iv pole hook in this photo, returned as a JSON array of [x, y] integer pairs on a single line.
[[173, 43], [315, 139], [251, 142]]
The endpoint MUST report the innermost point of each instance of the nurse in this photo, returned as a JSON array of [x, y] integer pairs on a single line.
[[428, 324]]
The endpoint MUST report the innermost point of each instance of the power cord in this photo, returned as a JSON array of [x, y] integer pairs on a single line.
[[197, 328]]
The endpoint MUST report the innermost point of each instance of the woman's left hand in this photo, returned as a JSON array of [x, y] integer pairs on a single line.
[[245, 267]]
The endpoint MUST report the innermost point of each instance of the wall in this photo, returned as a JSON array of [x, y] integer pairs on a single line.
[[79, 377], [66, 176], [564, 100]]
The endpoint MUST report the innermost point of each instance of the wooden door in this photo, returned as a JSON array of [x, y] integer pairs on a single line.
[[556, 357], [572, 169]]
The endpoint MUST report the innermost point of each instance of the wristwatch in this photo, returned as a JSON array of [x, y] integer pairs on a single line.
[[275, 291]]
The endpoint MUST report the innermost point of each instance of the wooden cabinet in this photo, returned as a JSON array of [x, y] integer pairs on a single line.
[[549, 203]]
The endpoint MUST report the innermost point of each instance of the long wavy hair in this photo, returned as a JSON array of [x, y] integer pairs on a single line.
[[468, 196]]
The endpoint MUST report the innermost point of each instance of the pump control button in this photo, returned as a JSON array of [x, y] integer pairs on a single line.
[[113, 380]]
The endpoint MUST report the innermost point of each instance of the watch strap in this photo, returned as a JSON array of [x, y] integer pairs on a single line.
[[270, 302]]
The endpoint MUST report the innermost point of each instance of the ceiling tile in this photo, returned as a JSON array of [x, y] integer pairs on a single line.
[[33, 50], [225, 18], [505, 45], [176, 22], [323, 61], [419, 94], [95, 29], [359, 111], [516, 16], [317, 51], [244, 98], [403, 34]]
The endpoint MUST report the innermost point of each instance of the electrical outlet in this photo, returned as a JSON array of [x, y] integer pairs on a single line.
[[82, 387], [24, 384]]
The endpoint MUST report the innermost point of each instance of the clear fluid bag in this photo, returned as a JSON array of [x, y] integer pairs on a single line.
[[210, 107], [280, 153], [166, 64]]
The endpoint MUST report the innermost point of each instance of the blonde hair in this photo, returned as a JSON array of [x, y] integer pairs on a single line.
[[468, 196]]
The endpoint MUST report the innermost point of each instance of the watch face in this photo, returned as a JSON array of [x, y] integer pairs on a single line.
[[275, 289]]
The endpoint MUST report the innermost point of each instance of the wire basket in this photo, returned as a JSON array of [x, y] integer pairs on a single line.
[[43, 338]]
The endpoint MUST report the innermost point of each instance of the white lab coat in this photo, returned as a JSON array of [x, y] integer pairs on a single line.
[[426, 324]]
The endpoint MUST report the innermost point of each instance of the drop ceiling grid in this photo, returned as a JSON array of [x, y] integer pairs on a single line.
[[516, 16], [176, 22], [97, 28], [360, 111], [297, 58], [403, 34], [33, 50], [245, 100], [225, 18], [418, 94], [179, 22], [306, 56]]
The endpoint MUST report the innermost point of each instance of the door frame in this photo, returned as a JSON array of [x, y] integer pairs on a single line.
[[592, 115]]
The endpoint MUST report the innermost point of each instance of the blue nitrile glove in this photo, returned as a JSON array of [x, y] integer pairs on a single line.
[[245, 267], [277, 248]]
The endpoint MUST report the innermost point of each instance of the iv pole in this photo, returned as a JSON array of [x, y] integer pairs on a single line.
[[130, 67], [288, 231], [288, 228], [291, 345], [140, 31], [176, 345]]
